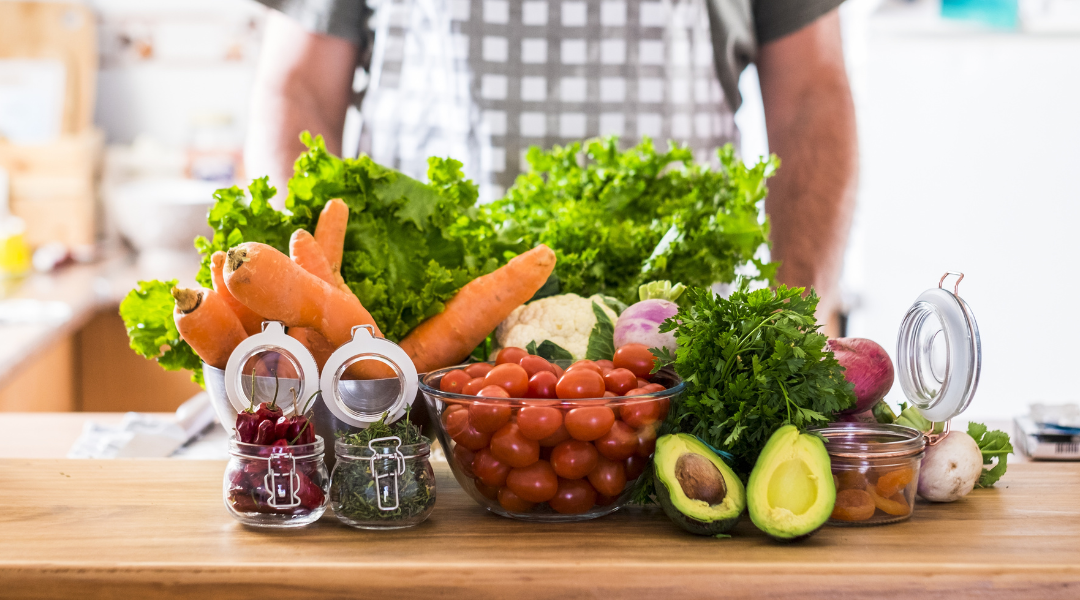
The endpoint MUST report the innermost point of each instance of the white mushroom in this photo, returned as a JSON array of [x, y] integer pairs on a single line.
[[950, 468]]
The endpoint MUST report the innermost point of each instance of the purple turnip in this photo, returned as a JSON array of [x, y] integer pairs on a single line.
[[640, 324], [868, 366]]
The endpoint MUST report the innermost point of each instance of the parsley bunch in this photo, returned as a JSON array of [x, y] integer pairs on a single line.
[[752, 363]]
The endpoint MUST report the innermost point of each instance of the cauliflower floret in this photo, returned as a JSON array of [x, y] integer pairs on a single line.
[[566, 319]]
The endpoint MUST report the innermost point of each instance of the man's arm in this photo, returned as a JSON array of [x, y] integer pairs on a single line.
[[810, 119], [302, 83]]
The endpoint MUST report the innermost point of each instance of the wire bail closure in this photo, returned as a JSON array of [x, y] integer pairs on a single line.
[[399, 459]]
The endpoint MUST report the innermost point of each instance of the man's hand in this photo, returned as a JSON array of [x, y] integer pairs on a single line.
[[303, 83], [810, 119]]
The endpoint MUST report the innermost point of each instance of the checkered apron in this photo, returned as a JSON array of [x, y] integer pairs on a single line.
[[483, 80]]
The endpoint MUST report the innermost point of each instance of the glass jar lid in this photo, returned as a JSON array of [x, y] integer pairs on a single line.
[[292, 358], [363, 402], [939, 354]]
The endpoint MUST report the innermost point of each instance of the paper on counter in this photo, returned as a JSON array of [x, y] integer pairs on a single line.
[[144, 436]]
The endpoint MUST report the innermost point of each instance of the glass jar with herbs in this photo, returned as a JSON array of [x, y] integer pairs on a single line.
[[383, 477]]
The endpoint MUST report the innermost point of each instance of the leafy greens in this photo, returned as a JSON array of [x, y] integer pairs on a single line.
[[993, 444], [619, 219], [752, 362]]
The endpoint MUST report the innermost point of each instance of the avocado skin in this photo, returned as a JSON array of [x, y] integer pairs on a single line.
[[670, 504], [814, 521], [694, 526]]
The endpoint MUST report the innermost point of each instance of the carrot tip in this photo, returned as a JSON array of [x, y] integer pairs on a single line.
[[187, 300], [236, 258]]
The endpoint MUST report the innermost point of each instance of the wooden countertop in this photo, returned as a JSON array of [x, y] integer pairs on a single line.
[[142, 528]]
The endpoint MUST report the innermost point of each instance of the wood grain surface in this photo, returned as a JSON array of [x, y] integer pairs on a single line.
[[157, 528]]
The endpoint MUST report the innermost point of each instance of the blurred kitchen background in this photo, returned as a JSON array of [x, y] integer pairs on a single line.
[[122, 116]]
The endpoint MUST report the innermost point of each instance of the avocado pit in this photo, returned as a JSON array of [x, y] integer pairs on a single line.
[[700, 479]]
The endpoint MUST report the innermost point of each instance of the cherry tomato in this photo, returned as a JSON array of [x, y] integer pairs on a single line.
[[602, 500], [619, 381], [654, 387], [514, 449], [586, 364], [646, 441], [477, 369], [573, 497], [465, 458], [455, 419], [559, 371], [608, 394], [453, 381], [510, 354], [472, 439], [640, 414], [560, 436], [539, 422], [619, 443], [605, 365], [489, 469], [573, 459], [473, 387], [534, 483], [535, 364], [488, 417], [589, 423], [635, 357], [509, 376], [580, 383], [635, 466], [542, 385], [511, 502], [642, 383], [485, 490], [608, 477]]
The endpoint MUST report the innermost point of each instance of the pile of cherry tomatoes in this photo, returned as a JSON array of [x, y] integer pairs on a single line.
[[561, 444]]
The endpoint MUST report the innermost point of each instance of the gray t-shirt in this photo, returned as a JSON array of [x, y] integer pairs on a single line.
[[482, 80]]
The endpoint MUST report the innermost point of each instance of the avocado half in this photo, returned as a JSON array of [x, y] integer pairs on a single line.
[[791, 491], [696, 489]]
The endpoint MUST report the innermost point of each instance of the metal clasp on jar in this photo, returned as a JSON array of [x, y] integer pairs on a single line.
[[382, 480], [281, 480]]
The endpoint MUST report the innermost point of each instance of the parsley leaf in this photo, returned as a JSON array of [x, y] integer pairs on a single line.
[[752, 362], [602, 336], [993, 444]]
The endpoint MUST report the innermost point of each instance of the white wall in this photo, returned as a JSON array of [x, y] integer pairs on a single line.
[[970, 153]]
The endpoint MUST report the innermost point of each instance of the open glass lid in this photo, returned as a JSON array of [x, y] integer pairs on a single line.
[[367, 377], [271, 366], [939, 353]]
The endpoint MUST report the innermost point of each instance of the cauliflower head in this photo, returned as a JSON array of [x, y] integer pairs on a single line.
[[566, 319]]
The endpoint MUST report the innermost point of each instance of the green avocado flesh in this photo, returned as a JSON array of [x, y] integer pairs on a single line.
[[697, 490], [791, 491]]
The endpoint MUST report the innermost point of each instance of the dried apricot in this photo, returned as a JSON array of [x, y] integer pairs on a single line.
[[894, 505], [892, 482], [853, 505], [851, 480]]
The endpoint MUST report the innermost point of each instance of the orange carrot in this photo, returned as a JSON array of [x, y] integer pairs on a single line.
[[307, 253], [315, 343], [330, 232], [252, 322], [271, 284], [207, 324], [473, 313]]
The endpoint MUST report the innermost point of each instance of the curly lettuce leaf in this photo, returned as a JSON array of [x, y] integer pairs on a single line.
[[619, 219], [147, 312]]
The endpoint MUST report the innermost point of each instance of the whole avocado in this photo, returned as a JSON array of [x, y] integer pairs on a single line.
[[695, 487]]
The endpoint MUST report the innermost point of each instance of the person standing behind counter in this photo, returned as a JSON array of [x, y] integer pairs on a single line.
[[482, 80]]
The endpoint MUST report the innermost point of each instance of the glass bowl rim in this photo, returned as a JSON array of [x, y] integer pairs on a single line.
[[427, 389]]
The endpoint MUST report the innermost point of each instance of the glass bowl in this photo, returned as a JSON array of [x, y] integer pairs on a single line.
[[627, 428]]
